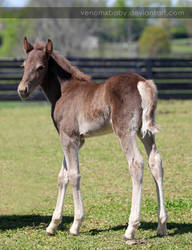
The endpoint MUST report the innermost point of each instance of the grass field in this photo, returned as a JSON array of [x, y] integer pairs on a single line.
[[30, 159]]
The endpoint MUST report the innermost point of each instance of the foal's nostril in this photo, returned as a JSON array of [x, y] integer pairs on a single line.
[[23, 92]]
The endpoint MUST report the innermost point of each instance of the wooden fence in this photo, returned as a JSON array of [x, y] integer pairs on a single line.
[[172, 76]]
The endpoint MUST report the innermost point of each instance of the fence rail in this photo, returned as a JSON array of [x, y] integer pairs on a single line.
[[173, 77]]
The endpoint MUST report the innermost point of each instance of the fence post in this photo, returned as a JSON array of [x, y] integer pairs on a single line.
[[149, 70]]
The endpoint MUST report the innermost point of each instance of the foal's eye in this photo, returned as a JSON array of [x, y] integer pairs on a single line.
[[40, 68]]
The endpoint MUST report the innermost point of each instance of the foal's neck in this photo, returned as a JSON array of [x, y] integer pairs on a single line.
[[54, 78], [52, 84]]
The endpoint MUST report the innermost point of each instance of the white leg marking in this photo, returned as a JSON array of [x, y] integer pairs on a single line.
[[155, 164], [71, 148], [136, 167], [78, 204], [57, 215]]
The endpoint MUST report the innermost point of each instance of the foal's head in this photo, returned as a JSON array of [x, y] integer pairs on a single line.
[[35, 67]]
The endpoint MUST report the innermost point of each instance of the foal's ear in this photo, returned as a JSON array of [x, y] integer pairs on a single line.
[[49, 47], [27, 46]]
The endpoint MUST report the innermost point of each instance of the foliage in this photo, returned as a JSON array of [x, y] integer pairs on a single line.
[[125, 29], [12, 36], [68, 34], [154, 41], [30, 159], [71, 36]]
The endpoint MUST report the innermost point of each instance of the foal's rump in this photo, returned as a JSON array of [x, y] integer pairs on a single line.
[[133, 102]]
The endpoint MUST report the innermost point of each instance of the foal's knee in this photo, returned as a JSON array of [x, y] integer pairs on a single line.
[[63, 179], [74, 179]]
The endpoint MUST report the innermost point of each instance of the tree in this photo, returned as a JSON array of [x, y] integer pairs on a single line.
[[11, 33], [69, 35], [128, 29], [154, 41]]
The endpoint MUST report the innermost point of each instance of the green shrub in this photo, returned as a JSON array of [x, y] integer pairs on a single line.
[[154, 41]]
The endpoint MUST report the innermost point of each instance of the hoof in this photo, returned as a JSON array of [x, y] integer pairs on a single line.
[[135, 241], [125, 238], [162, 230], [73, 233], [162, 233], [50, 232]]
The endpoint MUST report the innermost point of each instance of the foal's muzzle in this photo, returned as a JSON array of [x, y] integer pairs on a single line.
[[23, 92]]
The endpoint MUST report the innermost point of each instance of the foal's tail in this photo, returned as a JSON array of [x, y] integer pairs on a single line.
[[148, 92]]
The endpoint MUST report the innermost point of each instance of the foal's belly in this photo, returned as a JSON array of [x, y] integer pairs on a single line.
[[91, 129]]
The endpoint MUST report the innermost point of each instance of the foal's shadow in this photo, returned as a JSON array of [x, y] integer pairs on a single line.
[[179, 228], [20, 221]]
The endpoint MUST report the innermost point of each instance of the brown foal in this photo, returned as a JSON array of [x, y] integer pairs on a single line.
[[81, 108]]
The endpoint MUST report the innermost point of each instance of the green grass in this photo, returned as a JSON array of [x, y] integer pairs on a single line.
[[180, 46], [30, 159]]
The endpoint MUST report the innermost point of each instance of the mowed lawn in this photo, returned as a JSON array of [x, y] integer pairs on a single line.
[[30, 159]]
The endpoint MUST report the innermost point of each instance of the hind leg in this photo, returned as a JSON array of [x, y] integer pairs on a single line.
[[155, 164], [136, 167]]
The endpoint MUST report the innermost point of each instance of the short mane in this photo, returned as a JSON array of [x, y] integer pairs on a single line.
[[64, 63], [67, 66]]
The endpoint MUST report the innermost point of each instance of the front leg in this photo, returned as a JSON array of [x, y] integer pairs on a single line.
[[74, 179], [57, 215], [71, 148]]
